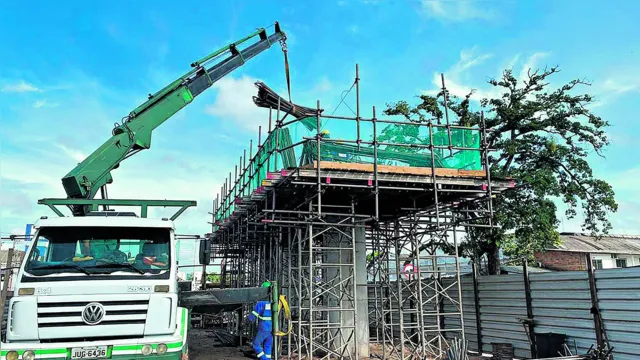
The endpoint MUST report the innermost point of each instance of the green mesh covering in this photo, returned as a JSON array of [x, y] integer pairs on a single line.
[[417, 155]]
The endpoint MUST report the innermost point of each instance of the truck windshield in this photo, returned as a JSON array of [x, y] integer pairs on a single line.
[[99, 250]]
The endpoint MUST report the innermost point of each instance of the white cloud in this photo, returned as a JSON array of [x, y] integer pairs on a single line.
[[513, 62], [460, 79], [44, 103], [620, 85], [72, 153], [531, 64], [468, 59], [457, 77], [614, 86], [457, 10], [20, 87], [234, 103]]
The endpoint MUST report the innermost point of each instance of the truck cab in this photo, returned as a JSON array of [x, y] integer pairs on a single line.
[[98, 287]]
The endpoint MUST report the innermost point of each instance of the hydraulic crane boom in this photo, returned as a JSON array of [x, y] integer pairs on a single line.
[[134, 133]]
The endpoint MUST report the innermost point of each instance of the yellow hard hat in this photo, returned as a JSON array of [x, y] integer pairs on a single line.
[[325, 132]]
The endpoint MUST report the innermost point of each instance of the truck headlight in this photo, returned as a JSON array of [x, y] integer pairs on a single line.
[[12, 355], [26, 291], [28, 355], [161, 349], [161, 288], [147, 349]]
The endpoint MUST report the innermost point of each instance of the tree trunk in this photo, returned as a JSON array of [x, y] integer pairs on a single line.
[[493, 259]]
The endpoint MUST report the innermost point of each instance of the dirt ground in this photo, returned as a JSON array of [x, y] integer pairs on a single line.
[[200, 348]]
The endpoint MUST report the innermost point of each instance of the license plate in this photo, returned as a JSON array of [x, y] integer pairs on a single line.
[[96, 352]]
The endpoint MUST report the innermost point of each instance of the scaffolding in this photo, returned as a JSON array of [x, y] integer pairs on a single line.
[[361, 231]]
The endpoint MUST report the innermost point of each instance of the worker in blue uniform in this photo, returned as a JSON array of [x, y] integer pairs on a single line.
[[263, 342]]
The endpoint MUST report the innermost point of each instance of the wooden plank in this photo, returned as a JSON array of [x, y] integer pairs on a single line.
[[404, 170]]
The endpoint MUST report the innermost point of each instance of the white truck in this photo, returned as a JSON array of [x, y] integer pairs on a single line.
[[98, 287]]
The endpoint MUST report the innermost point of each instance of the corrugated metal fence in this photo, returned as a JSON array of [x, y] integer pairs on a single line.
[[502, 303], [560, 303], [619, 303]]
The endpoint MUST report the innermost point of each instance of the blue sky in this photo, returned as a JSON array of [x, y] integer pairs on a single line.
[[70, 69]]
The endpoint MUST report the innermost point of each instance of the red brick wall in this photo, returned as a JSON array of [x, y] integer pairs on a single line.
[[562, 260]]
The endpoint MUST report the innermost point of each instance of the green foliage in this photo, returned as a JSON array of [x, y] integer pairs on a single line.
[[213, 278], [542, 138], [189, 277]]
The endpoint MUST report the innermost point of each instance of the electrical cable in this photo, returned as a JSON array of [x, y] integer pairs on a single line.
[[287, 315]]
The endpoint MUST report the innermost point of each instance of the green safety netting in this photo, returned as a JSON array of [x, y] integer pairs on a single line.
[[417, 155]]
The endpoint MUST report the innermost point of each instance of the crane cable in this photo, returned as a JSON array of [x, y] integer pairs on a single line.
[[283, 44]]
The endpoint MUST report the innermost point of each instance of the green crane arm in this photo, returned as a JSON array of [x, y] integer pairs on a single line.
[[134, 133]]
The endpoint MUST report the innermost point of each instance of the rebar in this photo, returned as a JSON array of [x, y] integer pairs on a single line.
[[458, 350]]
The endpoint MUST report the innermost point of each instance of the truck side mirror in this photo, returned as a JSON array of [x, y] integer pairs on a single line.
[[205, 251]]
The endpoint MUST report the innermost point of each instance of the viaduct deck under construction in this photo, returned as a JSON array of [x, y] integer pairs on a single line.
[[361, 231]]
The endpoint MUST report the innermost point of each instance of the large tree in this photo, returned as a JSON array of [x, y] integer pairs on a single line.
[[542, 137]]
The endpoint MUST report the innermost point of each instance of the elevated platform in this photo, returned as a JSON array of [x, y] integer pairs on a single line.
[[400, 188]]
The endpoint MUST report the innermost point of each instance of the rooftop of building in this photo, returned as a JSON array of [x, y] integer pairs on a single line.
[[606, 244]]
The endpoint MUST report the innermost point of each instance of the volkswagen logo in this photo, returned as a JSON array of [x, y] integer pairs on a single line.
[[93, 314]]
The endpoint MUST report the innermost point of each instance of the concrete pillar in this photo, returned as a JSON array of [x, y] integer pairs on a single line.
[[329, 298], [362, 294], [348, 319]]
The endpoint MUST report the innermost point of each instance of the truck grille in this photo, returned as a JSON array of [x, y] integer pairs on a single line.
[[58, 319]]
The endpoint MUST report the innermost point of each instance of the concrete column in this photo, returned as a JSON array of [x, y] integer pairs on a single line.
[[353, 266], [362, 295], [329, 298]]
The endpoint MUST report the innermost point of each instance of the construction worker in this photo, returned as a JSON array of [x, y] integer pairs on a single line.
[[263, 342]]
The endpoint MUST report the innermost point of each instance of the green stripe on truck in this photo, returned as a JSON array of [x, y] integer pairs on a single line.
[[39, 352]]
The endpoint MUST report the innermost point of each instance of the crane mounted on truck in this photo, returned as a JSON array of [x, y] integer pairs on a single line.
[[133, 134], [103, 284]]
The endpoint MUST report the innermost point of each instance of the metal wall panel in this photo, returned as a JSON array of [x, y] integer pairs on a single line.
[[619, 302], [561, 304], [502, 303], [468, 310]]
